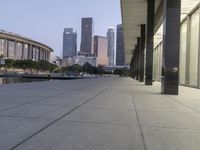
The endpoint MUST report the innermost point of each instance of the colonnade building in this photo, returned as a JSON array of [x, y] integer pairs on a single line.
[[14, 46], [162, 42]]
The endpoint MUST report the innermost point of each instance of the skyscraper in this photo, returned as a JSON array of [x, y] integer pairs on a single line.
[[100, 50], [86, 35], [111, 44], [120, 56], [69, 43]]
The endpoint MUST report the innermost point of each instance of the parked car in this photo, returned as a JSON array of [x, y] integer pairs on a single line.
[[70, 74]]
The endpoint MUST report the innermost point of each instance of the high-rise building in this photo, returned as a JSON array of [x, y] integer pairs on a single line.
[[120, 54], [101, 50], [69, 43], [111, 45], [86, 35]]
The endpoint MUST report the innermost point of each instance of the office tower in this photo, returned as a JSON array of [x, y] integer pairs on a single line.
[[111, 44], [69, 43], [100, 50], [86, 35], [120, 56]]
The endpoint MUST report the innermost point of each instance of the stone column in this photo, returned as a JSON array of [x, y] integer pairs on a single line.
[[138, 58], [30, 52], [132, 66], [5, 49], [149, 42], [142, 47], [135, 61], [39, 53], [171, 39], [15, 50], [48, 58], [22, 57]]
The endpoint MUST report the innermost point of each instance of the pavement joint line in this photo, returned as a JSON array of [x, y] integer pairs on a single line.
[[182, 104], [162, 127], [44, 104], [98, 122], [58, 119], [179, 102], [174, 100], [138, 120], [28, 118], [140, 110], [41, 99], [115, 108]]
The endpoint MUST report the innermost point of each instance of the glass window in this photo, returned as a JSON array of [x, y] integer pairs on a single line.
[[194, 43], [156, 63], [37, 54], [1, 46], [34, 54], [25, 53], [18, 54], [182, 65], [11, 49], [160, 60], [154, 57]]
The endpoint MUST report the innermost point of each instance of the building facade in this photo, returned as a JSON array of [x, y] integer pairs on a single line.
[[162, 42], [101, 50], [69, 43], [86, 35], [120, 54], [14, 46], [82, 59], [189, 55], [111, 45]]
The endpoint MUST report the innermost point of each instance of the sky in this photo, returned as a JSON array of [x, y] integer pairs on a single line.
[[45, 20]]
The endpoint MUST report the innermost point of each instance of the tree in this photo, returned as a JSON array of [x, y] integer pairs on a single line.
[[98, 70], [44, 65], [41, 65], [75, 68], [123, 72], [9, 63], [88, 68]]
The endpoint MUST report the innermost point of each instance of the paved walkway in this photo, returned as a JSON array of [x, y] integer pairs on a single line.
[[97, 114]]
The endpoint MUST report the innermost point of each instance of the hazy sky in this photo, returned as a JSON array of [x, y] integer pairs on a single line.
[[44, 20]]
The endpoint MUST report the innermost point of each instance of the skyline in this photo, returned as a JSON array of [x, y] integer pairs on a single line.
[[44, 21]]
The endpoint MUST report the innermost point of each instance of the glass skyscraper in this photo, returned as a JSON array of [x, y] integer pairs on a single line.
[[120, 54], [111, 44], [86, 35], [69, 43]]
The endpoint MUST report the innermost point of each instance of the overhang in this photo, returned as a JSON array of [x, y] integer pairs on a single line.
[[133, 15]]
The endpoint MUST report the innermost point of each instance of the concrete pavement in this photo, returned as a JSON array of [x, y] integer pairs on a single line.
[[98, 114]]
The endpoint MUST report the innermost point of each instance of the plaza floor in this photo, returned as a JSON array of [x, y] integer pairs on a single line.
[[98, 114]]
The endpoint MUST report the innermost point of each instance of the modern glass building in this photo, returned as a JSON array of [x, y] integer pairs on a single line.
[[120, 57], [189, 65], [69, 43], [162, 42], [86, 35], [111, 45], [17, 47]]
